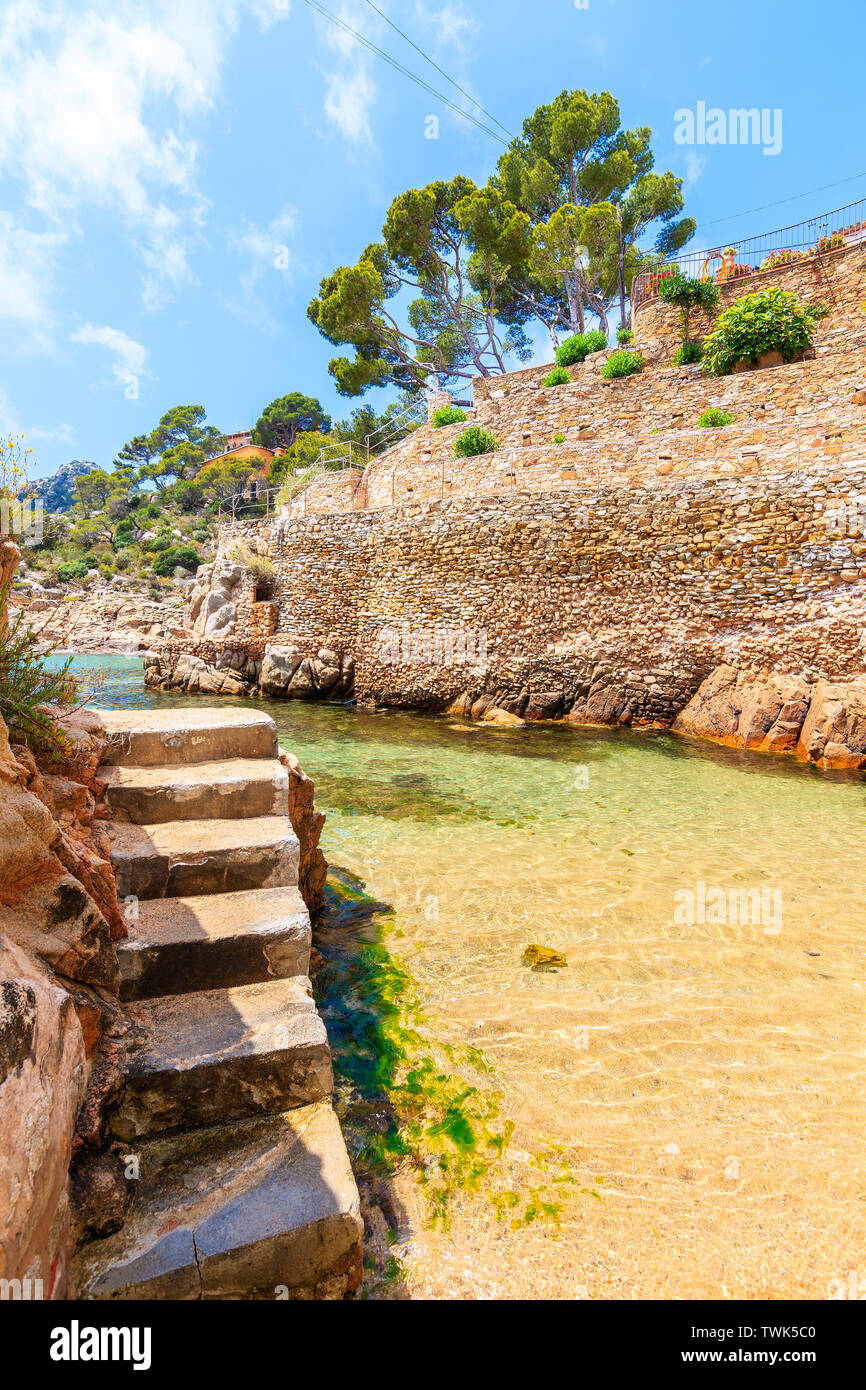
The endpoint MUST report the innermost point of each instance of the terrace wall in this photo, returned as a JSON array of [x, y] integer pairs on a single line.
[[630, 596], [837, 279]]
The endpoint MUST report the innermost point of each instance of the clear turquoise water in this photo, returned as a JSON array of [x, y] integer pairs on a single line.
[[719, 1039]]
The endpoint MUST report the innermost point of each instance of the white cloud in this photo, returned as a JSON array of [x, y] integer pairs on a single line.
[[266, 251], [95, 111], [450, 26], [695, 166], [129, 356], [10, 425], [351, 91], [27, 262]]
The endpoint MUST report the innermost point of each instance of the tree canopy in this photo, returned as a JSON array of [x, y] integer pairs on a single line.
[[284, 419], [588, 188], [461, 271], [175, 449], [449, 245]]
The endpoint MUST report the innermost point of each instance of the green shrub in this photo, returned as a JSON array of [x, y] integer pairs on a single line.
[[559, 439], [770, 321], [188, 495], [262, 569], [124, 532], [157, 543], [688, 295], [715, 419], [176, 557], [448, 415], [558, 377], [624, 335], [476, 440], [26, 687], [688, 354], [577, 348], [622, 363], [72, 570]]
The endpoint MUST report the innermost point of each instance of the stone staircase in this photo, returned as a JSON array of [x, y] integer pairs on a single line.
[[245, 1188]]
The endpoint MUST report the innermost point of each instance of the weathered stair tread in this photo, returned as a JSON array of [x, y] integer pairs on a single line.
[[240, 1210], [223, 1054], [235, 787], [216, 940], [179, 858], [153, 738]]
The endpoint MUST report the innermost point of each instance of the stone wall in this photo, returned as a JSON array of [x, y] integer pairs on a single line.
[[837, 279], [628, 596], [625, 431], [331, 492]]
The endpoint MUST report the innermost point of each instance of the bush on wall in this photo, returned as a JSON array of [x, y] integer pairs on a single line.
[[689, 296], [622, 363], [474, 441], [771, 321], [558, 377], [448, 415], [578, 347]]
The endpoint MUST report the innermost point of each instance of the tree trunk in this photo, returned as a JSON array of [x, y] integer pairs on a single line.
[[621, 257]]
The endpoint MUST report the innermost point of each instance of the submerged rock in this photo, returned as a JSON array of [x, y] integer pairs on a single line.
[[543, 958]]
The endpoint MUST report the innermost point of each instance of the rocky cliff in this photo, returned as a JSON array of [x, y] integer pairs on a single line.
[[58, 493], [60, 1021]]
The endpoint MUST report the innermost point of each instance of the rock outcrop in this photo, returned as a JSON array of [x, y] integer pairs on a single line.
[[765, 712], [110, 618], [214, 599], [191, 675], [744, 710], [42, 1082], [58, 493], [834, 730]]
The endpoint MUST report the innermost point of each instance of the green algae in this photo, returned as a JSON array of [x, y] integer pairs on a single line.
[[403, 1097]]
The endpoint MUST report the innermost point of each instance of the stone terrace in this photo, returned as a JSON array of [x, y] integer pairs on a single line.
[[632, 430]]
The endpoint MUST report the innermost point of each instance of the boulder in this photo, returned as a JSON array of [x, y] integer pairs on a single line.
[[302, 685], [743, 709], [220, 622], [503, 719], [278, 666], [834, 730], [325, 676], [461, 707], [545, 705]]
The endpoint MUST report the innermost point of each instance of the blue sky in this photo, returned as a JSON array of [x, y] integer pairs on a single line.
[[176, 176]]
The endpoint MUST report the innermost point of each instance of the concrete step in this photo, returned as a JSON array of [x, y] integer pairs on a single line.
[[157, 738], [201, 791], [181, 944], [222, 1054], [255, 1209], [193, 857]]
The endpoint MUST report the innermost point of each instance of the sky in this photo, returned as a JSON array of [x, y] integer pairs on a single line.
[[176, 176]]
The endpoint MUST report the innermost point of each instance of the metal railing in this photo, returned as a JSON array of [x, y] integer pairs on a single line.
[[396, 428], [817, 236], [257, 502]]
